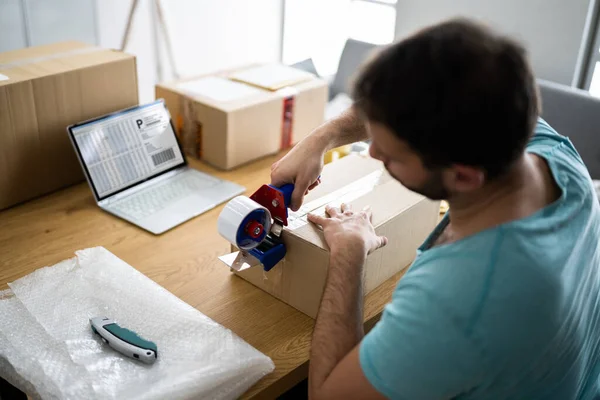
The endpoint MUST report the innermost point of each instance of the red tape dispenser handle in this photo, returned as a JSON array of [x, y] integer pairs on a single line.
[[276, 200]]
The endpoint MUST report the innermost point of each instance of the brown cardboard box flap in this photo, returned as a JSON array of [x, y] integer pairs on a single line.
[[219, 92], [44, 51], [41, 61], [272, 77], [223, 92]]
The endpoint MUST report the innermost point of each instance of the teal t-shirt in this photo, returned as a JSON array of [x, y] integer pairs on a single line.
[[512, 312]]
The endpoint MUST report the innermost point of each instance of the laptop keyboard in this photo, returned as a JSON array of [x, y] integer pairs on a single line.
[[152, 200]]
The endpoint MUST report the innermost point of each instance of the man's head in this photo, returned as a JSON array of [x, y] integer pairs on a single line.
[[450, 108]]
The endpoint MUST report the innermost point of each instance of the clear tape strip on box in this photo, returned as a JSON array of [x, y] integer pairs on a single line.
[[198, 358], [33, 60], [344, 194]]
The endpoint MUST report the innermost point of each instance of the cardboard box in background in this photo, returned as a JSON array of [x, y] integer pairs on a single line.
[[44, 89], [405, 217], [233, 117]]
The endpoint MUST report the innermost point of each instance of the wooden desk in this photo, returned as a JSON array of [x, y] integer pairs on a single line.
[[184, 261]]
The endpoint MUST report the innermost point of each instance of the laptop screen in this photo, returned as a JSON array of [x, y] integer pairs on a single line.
[[126, 148]]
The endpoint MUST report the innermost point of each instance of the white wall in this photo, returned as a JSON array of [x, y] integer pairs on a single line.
[[58, 20], [12, 29], [39, 22], [207, 35], [318, 29], [552, 30], [112, 18]]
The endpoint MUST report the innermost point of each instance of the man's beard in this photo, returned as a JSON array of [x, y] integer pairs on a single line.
[[433, 188]]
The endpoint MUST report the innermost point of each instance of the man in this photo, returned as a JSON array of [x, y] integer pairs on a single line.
[[503, 299]]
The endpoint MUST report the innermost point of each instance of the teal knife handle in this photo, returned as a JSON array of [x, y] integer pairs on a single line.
[[130, 337]]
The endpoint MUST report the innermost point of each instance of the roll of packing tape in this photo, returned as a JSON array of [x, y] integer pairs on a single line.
[[244, 222]]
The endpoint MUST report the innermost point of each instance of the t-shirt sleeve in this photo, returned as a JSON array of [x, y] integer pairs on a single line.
[[546, 139], [418, 351]]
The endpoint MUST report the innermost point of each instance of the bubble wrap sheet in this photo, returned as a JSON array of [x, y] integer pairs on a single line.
[[48, 349]]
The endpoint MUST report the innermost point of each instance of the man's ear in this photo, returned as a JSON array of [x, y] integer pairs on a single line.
[[463, 178]]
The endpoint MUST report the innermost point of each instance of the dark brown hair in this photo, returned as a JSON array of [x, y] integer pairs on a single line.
[[456, 92]]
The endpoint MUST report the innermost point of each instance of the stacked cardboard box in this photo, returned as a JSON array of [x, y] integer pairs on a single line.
[[233, 117], [43, 90]]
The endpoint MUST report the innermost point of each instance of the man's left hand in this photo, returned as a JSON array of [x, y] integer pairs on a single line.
[[349, 231]]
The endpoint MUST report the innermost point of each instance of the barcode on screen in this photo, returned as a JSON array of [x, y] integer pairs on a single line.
[[163, 157]]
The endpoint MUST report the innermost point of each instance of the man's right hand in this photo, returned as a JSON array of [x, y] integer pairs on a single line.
[[301, 166]]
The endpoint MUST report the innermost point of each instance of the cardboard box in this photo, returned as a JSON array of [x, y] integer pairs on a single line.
[[233, 117], [405, 217], [43, 90]]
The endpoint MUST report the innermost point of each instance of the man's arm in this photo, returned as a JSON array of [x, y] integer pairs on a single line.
[[345, 129], [335, 370], [340, 316], [334, 363], [303, 164]]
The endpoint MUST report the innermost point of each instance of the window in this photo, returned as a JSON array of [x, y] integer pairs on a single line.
[[591, 77], [319, 29], [595, 82]]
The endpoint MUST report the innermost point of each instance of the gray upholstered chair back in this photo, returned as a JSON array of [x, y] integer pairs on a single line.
[[576, 114], [306, 65], [353, 55]]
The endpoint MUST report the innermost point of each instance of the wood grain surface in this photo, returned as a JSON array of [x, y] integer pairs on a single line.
[[184, 260]]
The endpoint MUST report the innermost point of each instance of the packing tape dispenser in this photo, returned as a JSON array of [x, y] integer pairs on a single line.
[[255, 225]]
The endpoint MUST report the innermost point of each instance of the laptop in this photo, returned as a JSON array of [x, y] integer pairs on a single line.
[[137, 171]]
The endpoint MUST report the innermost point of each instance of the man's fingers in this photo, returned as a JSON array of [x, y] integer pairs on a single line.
[[379, 242], [277, 180], [368, 213], [300, 190], [297, 199], [331, 211], [345, 207], [317, 219], [382, 241], [314, 184], [297, 195]]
